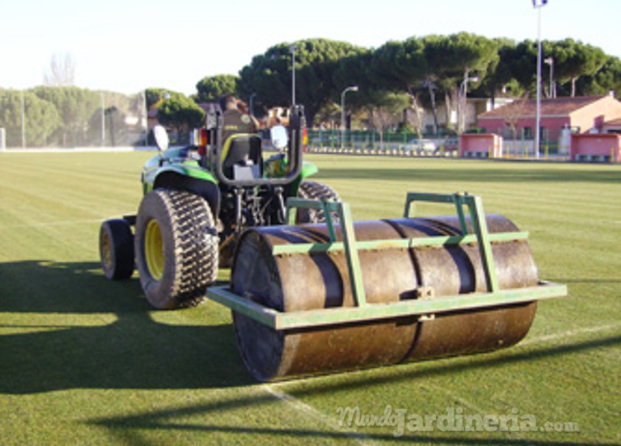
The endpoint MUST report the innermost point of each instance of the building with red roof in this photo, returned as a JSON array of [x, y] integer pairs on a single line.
[[587, 114]]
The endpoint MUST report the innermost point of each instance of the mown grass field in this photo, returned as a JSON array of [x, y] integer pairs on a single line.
[[86, 361]]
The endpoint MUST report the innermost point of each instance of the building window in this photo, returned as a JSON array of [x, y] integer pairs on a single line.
[[527, 132]]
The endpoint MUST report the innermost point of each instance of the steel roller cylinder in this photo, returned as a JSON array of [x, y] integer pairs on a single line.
[[456, 270], [314, 281]]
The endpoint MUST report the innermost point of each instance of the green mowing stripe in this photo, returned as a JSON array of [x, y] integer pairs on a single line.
[[49, 188], [51, 223], [86, 361]]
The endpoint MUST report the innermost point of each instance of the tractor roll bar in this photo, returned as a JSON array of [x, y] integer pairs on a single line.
[[294, 151]]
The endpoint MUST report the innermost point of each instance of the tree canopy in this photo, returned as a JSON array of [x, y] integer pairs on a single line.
[[426, 68], [180, 111], [419, 71], [212, 88], [41, 118], [607, 79], [574, 59], [69, 116], [269, 75]]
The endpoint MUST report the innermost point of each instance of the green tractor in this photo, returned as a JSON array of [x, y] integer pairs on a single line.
[[198, 200], [310, 299]]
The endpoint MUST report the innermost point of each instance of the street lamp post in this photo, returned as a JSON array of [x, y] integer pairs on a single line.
[[293, 49], [103, 120], [23, 120], [145, 117], [538, 4], [352, 88], [550, 61], [251, 105], [464, 92]]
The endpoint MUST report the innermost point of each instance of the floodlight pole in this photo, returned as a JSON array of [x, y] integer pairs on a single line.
[[293, 49], [23, 120], [538, 4]]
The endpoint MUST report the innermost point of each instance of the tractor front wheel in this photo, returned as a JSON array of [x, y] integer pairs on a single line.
[[116, 249], [311, 190], [176, 246]]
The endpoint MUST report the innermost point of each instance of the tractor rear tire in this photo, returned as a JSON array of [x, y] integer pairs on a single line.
[[311, 190], [176, 246], [116, 249]]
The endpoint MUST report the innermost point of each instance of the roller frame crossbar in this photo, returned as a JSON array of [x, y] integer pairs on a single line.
[[423, 306]]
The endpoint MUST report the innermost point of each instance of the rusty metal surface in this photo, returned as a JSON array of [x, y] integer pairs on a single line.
[[320, 280], [304, 282], [457, 270]]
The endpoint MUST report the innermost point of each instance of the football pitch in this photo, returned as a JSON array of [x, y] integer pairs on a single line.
[[86, 361]]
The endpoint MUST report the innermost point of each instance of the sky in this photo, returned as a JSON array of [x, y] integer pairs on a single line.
[[129, 45]]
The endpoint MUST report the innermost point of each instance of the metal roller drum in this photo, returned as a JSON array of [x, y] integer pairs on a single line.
[[457, 270], [314, 281]]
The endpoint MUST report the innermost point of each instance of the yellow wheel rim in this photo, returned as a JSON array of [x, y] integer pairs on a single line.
[[106, 250], [154, 250]]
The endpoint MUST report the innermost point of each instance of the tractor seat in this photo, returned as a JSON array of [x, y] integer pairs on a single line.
[[241, 156]]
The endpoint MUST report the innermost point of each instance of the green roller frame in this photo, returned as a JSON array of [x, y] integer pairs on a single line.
[[422, 306]]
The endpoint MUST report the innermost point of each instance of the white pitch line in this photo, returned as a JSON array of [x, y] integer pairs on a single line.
[[569, 333], [365, 440], [319, 416]]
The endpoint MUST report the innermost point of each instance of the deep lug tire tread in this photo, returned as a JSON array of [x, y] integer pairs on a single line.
[[312, 190], [190, 246], [116, 249]]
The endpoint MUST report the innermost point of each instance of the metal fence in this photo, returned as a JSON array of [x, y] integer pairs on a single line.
[[409, 144], [69, 117], [372, 141]]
